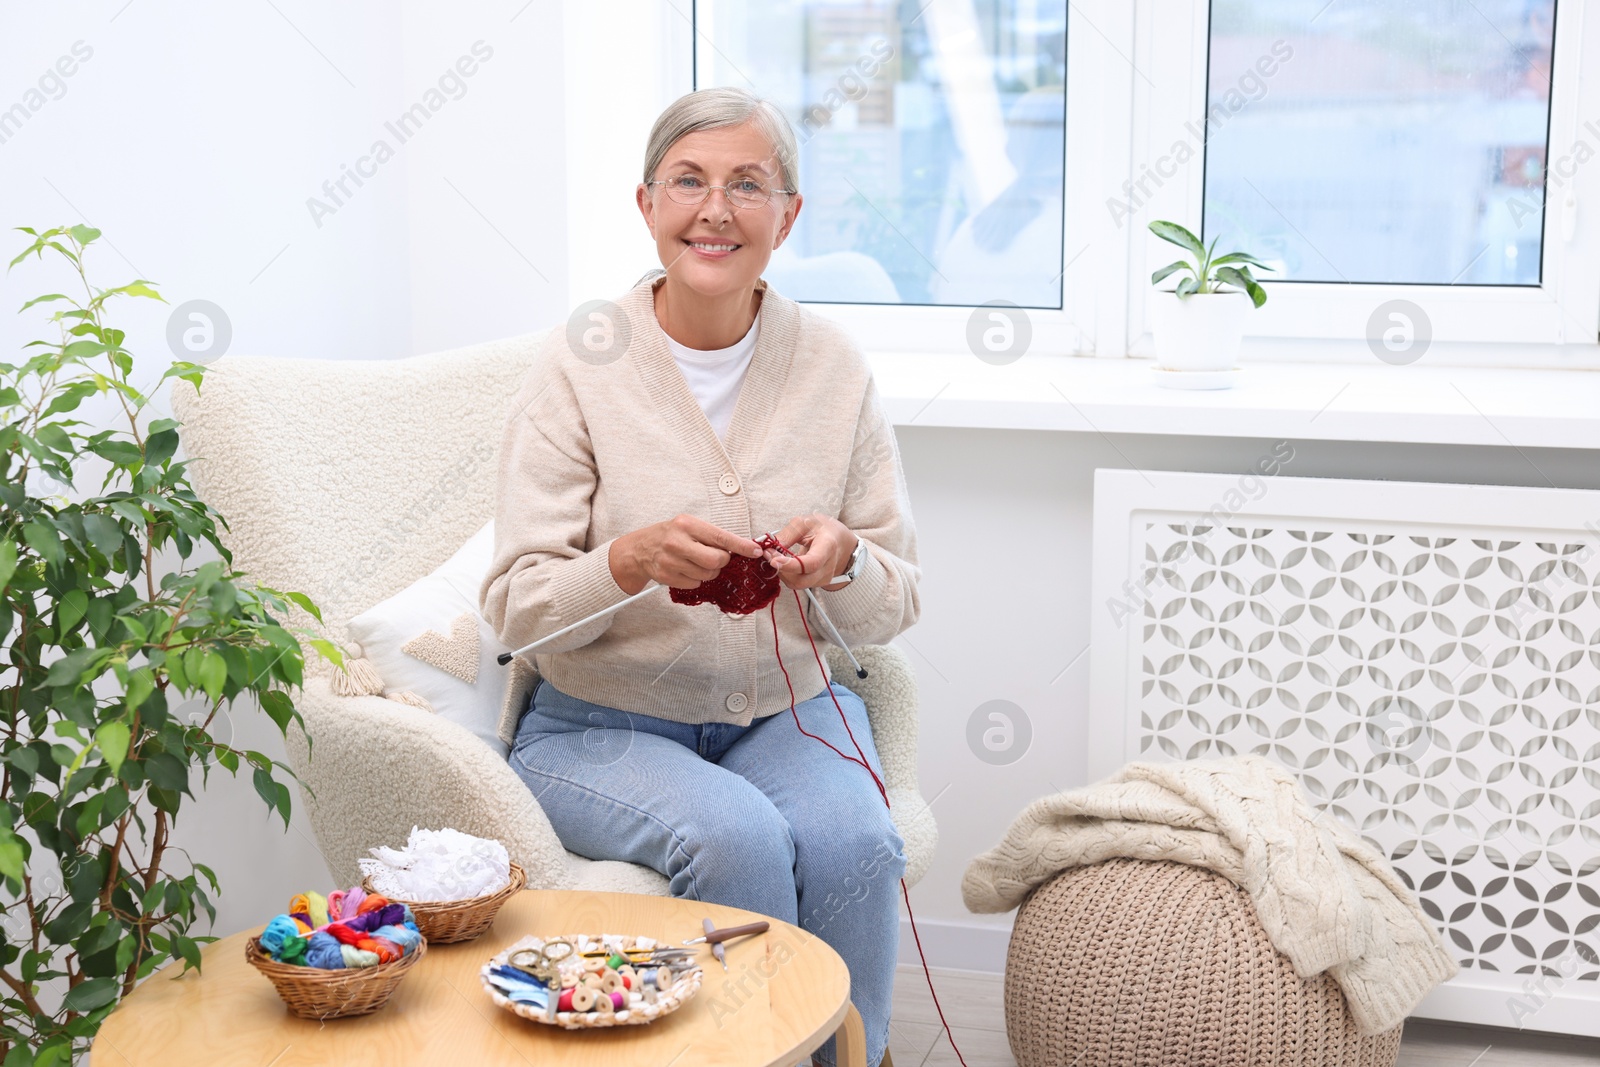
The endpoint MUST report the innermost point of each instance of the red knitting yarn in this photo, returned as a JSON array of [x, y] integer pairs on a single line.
[[746, 585], [743, 586]]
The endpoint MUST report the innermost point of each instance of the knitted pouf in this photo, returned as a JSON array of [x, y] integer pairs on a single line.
[[1160, 964]]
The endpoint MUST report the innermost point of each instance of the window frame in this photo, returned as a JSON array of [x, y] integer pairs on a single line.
[[1558, 319], [943, 328], [1136, 72]]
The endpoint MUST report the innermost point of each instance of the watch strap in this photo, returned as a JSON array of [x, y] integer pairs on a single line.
[[858, 559]]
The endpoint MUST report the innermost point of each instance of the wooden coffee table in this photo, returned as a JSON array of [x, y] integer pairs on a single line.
[[784, 993]]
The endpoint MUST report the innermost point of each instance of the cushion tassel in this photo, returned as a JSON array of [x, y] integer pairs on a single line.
[[408, 697], [359, 677]]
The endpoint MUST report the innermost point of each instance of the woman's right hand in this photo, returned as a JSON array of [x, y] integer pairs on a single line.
[[680, 552]]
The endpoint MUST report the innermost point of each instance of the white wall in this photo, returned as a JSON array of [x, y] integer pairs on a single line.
[[1004, 529], [193, 137]]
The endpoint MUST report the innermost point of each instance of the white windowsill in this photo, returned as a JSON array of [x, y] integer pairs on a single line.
[[1327, 401]]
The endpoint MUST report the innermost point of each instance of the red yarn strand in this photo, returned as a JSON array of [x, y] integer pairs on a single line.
[[905, 891]]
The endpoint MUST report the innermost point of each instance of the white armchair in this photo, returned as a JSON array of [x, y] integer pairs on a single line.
[[350, 479]]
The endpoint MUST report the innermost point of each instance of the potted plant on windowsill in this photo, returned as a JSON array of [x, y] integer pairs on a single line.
[[1199, 325]]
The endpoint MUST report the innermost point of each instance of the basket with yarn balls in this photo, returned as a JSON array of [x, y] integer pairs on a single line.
[[339, 955], [454, 883]]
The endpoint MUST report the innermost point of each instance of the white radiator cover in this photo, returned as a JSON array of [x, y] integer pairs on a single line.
[[1424, 657]]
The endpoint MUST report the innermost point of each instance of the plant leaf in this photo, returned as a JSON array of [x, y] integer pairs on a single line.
[[1171, 231], [112, 737], [1186, 287], [1243, 280], [329, 650], [70, 609], [213, 674], [305, 602], [8, 562], [42, 299], [1240, 257], [276, 794], [1170, 268], [13, 856], [91, 994]]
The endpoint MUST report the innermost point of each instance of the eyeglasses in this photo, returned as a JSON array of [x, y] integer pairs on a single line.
[[691, 191]]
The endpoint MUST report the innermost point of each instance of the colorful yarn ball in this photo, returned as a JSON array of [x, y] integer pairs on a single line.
[[277, 930], [355, 957], [384, 949], [293, 950], [350, 903], [407, 937], [324, 950], [318, 909], [346, 933], [373, 901], [348, 928]]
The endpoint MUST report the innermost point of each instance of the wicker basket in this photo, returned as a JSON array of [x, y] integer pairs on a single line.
[[447, 921], [314, 993]]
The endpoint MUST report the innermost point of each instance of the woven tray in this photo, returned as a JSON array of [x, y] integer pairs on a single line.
[[686, 985], [313, 993], [446, 921]]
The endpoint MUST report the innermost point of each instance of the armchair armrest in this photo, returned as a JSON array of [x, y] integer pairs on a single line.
[[378, 767], [890, 694]]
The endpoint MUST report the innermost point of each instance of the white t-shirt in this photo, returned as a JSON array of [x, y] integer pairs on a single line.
[[714, 377]]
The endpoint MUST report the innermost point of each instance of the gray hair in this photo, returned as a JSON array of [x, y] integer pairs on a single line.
[[715, 109]]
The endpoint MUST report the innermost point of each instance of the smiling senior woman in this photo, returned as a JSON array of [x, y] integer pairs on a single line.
[[661, 734]]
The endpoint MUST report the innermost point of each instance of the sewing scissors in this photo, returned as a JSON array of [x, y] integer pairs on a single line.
[[541, 963]]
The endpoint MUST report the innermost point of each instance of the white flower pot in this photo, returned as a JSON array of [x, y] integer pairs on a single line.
[[1200, 333]]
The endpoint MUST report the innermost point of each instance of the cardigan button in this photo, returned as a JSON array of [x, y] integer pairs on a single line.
[[737, 702], [728, 484]]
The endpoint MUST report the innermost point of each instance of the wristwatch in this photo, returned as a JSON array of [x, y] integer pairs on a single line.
[[858, 560]]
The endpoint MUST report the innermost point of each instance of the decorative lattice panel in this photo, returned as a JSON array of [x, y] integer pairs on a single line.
[[1437, 689]]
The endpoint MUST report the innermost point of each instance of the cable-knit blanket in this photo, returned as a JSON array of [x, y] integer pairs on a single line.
[[1328, 901]]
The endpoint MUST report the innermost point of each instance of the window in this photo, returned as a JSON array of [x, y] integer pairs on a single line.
[[1435, 160], [1371, 141], [932, 137], [1421, 163]]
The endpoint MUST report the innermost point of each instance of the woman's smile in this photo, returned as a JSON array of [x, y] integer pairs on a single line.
[[712, 249]]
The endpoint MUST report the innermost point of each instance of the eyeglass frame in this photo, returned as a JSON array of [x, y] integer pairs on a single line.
[[709, 187]]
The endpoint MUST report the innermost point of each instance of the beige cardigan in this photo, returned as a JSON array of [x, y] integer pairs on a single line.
[[594, 449]]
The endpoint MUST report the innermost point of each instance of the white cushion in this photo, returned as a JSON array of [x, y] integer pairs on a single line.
[[430, 639]]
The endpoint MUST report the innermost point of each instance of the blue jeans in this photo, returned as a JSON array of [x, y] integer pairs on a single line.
[[759, 817]]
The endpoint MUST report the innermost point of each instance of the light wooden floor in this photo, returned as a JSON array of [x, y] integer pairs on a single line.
[[972, 1006]]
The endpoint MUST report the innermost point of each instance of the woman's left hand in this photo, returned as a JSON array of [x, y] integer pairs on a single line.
[[825, 544]]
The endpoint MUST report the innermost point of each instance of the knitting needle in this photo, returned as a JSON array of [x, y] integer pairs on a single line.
[[506, 657], [861, 672]]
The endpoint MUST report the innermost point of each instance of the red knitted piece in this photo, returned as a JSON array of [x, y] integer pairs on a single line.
[[745, 585]]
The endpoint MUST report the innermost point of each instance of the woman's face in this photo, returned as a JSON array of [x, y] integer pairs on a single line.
[[717, 157]]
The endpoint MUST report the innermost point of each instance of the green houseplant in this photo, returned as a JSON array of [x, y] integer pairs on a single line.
[[100, 652], [1199, 324]]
